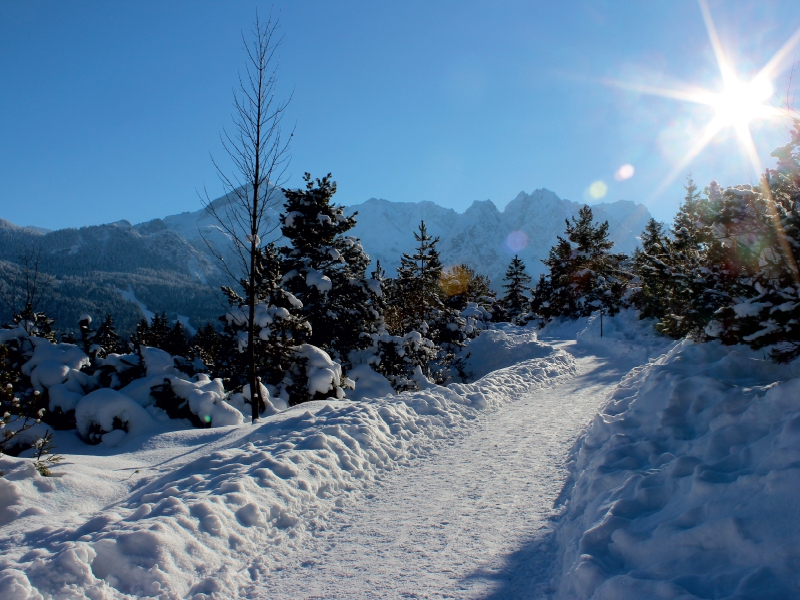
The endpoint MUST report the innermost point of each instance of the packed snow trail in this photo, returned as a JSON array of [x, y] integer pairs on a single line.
[[447, 527]]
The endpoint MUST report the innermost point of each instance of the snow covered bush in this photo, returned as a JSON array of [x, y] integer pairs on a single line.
[[17, 414], [66, 389], [314, 376], [476, 319], [22, 406], [107, 415]]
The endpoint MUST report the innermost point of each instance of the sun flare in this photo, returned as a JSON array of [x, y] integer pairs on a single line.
[[741, 103], [736, 106]]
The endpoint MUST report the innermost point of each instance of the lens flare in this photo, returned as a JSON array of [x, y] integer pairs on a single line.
[[624, 172], [516, 241], [598, 190]]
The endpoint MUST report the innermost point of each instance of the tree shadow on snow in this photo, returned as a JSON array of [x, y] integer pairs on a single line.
[[525, 573]]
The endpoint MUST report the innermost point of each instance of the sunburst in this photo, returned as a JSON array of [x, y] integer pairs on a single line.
[[736, 106]]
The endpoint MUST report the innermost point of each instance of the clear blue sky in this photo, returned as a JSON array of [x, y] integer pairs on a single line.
[[109, 110]]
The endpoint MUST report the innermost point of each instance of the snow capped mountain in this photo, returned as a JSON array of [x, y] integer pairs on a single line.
[[485, 237], [482, 236]]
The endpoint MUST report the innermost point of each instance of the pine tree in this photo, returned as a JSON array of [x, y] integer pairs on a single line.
[[584, 274], [689, 230], [326, 269], [279, 327], [98, 343], [107, 338], [540, 299], [153, 333], [35, 323], [460, 285], [680, 270], [433, 334], [759, 226], [648, 284], [176, 341], [214, 350], [517, 302], [258, 152], [418, 296]]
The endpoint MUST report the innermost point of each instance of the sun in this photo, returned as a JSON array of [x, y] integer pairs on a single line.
[[736, 106], [741, 103]]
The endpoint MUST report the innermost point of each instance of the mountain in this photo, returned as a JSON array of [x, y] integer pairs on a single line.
[[482, 236], [169, 264], [485, 237], [98, 269]]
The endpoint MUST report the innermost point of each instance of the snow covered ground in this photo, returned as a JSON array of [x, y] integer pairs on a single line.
[[622, 466], [687, 483], [446, 527], [203, 512]]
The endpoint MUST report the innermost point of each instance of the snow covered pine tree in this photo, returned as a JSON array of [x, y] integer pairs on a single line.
[[279, 327], [432, 333], [517, 299], [585, 276], [326, 270]]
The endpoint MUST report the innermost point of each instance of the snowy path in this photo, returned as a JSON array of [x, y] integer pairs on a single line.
[[468, 522]]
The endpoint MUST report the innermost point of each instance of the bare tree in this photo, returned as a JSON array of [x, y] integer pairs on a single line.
[[259, 153], [24, 296]]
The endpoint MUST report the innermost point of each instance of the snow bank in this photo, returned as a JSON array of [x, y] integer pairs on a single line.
[[624, 335], [243, 498], [369, 383], [686, 484], [499, 348]]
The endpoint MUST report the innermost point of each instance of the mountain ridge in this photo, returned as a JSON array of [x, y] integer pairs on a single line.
[[178, 251]]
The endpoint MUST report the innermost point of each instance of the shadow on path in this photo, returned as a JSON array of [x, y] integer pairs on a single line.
[[526, 573], [529, 572]]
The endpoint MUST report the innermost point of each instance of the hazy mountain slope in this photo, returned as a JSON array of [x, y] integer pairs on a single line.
[[89, 265]]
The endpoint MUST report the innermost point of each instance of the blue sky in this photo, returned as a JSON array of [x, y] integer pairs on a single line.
[[109, 110]]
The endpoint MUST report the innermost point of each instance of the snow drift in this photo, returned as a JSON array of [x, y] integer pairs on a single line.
[[685, 485]]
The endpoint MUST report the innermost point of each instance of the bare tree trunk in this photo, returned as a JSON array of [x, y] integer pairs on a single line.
[[260, 156]]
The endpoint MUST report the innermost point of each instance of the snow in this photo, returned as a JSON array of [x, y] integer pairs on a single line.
[[206, 503], [368, 383], [109, 410], [322, 282], [443, 528], [51, 363], [130, 296], [206, 398], [15, 333], [324, 375], [686, 482], [500, 348], [579, 466]]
